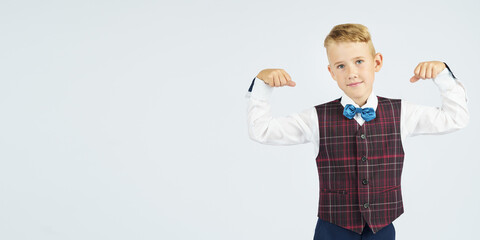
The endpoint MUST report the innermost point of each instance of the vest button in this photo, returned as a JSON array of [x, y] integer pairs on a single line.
[[366, 205], [363, 136], [364, 181], [364, 158]]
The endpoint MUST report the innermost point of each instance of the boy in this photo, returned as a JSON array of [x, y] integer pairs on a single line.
[[359, 136]]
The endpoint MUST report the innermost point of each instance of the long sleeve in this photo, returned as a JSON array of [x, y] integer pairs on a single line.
[[295, 128], [451, 116]]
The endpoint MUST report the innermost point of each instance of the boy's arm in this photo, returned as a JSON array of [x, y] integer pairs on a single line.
[[451, 116], [295, 128]]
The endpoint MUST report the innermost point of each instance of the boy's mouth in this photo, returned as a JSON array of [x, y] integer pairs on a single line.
[[354, 84]]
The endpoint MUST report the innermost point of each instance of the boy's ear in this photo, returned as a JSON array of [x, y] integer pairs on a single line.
[[378, 61], [331, 73]]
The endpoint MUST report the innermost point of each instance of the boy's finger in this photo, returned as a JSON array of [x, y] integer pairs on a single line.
[[272, 80], [283, 81], [416, 72], [288, 77], [422, 71], [428, 73], [414, 79], [276, 82]]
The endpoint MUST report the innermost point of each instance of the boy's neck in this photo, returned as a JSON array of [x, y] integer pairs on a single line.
[[362, 100]]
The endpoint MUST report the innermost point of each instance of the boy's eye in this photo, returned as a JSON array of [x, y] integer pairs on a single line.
[[340, 66], [359, 61]]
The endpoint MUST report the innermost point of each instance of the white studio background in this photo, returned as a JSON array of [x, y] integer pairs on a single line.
[[127, 119]]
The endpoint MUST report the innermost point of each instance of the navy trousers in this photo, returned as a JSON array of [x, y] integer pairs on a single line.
[[329, 231]]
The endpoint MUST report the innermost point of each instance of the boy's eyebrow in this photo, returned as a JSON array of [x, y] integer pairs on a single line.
[[352, 59]]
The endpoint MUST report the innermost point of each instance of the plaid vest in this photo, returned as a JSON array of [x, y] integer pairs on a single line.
[[360, 167]]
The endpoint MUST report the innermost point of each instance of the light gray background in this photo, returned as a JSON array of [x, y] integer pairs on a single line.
[[127, 119]]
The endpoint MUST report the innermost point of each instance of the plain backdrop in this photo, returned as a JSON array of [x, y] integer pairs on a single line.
[[127, 119]]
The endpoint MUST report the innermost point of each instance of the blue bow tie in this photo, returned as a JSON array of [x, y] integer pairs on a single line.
[[367, 113]]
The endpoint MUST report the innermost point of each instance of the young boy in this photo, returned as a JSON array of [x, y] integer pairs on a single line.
[[359, 136]]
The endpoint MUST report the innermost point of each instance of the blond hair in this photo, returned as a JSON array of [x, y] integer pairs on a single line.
[[349, 32]]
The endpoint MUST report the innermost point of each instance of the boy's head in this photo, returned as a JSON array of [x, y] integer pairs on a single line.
[[353, 60]]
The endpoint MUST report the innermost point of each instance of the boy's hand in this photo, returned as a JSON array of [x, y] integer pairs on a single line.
[[426, 70], [276, 77]]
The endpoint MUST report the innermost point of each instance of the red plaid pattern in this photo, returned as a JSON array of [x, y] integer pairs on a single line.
[[360, 167]]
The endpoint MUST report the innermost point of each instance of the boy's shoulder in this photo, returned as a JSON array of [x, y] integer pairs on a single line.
[[386, 99], [334, 102], [330, 104]]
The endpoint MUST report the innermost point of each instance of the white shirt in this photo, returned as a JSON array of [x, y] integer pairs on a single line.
[[302, 127]]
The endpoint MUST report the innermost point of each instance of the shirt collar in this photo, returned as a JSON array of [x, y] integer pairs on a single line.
[[372, 101]]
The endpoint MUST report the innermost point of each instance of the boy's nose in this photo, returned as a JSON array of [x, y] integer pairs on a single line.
[[352, 75]]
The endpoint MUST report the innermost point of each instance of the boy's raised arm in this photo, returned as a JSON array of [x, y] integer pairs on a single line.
[[295, 128], [453, 113]]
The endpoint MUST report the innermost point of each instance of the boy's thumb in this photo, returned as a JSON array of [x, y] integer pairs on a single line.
[[291, 83]]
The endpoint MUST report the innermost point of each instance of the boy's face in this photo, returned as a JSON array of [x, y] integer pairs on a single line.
[[352, 65]]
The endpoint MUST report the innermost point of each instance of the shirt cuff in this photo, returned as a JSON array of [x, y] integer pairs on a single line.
[[449, 70], [445, 80], [259, 90]]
